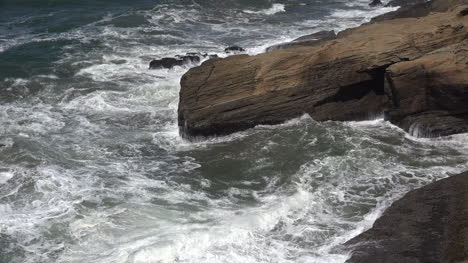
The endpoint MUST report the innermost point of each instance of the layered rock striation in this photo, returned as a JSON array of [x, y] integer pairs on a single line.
[[428, 225], [412, 69]]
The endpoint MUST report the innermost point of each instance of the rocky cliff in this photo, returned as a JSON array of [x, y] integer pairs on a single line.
[[428, 225], [413, 69]]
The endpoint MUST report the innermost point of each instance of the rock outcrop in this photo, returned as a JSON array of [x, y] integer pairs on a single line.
[[430, 94], [428, 225], [307, 40], [341, 79], [189, 58], [375, 3], [414, 9], [234, 49], [394, 3]]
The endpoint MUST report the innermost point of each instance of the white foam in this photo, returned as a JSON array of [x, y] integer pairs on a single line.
[[274, 9], [129, 208], [5, 176]]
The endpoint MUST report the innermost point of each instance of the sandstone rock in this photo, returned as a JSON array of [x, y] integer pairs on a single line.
[[307, 40], [430, 94], [428, 225], [321, 35], [342, 79]]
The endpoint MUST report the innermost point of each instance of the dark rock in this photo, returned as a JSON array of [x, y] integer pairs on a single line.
[[307, 40], [428, 225], [375, 3], [394, 3], [189, 58], [2, 145], [419, 9], [165, 63], [200, 55], [341, 79], [463, 12], [234, 49], [411, 11], [430, 94]]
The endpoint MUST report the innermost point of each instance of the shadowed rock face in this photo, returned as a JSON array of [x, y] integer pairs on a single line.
[[342, 79], [430, 94], [428, 225]]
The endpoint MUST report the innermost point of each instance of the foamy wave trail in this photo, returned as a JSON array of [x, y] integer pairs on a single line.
[[275, 8], [92, 167]]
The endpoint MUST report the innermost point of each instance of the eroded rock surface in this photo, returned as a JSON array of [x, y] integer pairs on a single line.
[[430, 94], [428, 225], [307, 40], [341, 79]]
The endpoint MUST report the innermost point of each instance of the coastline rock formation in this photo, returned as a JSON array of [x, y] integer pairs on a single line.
[[428, 225], [307, 40], [414, 9], [178, 60], [358, 75], [430, 94]]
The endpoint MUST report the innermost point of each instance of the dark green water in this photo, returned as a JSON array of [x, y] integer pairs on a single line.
[[92, 168]]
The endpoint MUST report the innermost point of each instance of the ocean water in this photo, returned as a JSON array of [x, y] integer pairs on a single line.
[[92, 168]]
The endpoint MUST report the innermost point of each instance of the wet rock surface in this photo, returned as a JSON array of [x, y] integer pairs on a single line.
[[170, 62], [375, 3], [307, 40], [232, 49], [341, 79], [428, 225], [430, 94]]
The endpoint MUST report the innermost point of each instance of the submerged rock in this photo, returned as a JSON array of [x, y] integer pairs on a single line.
[[375, 3], [234, 49], [189, 58], [165, 63], [341, 79], [307, 40], [428, 225], [394, 3]]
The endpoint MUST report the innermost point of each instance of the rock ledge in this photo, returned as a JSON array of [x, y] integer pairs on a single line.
[[413, 70]]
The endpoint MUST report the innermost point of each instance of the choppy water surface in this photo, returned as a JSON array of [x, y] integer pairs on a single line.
[[92, 168]]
